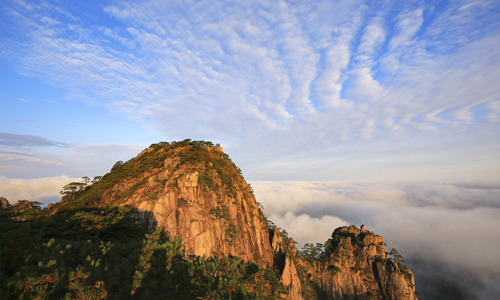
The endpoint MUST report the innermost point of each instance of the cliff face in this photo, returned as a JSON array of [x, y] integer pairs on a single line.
[[284, 258], [209, 221], [356, 266]]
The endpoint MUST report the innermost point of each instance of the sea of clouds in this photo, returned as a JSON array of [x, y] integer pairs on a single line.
[[448, 233]]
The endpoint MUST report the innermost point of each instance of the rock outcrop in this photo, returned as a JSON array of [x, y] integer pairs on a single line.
[[284, 257], [4, 202], [356, 266]]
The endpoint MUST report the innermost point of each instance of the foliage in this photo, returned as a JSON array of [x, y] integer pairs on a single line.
[[311, 252], [251, 189], [232, 234], [206, 179], [334, 269], [232, 278], [284, 236], [66, 256], [220, 211], [270, 224], [151, 196], [399, 260], [332, 245], [104, 254], [395, 256]]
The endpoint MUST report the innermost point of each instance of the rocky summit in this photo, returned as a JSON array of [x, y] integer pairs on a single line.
[[194, 192], [355, 263]]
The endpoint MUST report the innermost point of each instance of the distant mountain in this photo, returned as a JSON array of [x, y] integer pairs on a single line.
[[208, 239]]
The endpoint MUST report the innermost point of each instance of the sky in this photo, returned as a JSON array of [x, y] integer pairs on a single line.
[[393, 102]]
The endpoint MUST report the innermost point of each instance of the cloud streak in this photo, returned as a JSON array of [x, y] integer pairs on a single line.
[[22, 141], [28, 157], [23, 160]]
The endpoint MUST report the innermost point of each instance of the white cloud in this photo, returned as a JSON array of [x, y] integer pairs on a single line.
[[373, 36], [329, 84], [407, 26], [302, 224], [44, 190], [372, 203], [29, 157]]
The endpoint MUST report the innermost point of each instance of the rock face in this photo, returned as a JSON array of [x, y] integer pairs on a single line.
[[356, 266], [209, 222], [283, 259], [4, 202]]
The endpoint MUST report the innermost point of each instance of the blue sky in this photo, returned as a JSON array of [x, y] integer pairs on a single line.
[[298, 90], [338, 112]]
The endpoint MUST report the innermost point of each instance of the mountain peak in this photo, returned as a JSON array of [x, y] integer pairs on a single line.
[[193, 190]]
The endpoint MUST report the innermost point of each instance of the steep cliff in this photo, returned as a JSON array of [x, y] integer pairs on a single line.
[[284, 259]]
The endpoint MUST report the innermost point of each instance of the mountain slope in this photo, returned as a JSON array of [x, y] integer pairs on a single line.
[[193, 190]]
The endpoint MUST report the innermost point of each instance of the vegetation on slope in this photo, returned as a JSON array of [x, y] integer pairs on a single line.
[[198, 155], [105, 254]]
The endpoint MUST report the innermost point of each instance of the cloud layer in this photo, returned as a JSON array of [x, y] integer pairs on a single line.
[[435, 226]]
